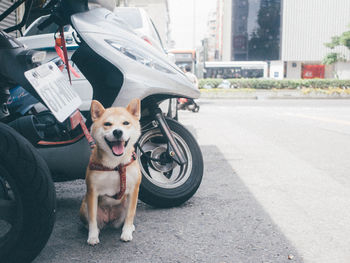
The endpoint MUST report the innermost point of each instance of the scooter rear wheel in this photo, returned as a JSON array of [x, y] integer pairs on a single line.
[[167, 184], [196, 108], [27, 199]]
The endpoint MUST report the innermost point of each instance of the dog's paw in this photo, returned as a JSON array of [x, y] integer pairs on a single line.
[[93, 240], [126, 236], [127, 233]]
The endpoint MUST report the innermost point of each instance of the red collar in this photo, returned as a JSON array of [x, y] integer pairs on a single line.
[[121, 168]]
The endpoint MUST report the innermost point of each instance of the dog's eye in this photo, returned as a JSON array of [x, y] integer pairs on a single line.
[[107, 124], [126, 123]]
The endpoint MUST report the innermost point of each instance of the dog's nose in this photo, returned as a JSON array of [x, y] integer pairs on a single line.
[[118, 133]]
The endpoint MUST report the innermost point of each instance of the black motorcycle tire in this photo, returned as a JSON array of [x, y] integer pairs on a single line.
[[196, 108], [29, 178], [156, 196]]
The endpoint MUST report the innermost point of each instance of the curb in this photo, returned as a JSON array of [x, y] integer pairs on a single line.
[[268, 95]]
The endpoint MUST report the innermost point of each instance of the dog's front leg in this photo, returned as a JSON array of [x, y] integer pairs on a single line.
[[129, 227], [92, 203]]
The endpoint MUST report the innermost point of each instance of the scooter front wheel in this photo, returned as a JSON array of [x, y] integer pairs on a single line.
[[165, 183]]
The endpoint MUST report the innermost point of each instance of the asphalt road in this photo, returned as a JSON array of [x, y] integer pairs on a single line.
[[276, 185]]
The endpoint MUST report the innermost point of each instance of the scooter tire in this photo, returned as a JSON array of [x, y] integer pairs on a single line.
[[29, 179], [196, 109], [164, 197]]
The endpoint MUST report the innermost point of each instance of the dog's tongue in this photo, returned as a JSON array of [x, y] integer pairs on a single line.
[[118, 148]]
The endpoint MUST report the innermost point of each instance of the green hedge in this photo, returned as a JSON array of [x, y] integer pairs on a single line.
[[278, 84]]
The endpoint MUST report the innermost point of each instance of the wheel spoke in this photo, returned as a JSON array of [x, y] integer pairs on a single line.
[[150, 146], [175, 174], [158, 176], [7, 210]]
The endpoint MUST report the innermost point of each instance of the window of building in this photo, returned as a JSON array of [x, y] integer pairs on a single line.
[[259, 24]]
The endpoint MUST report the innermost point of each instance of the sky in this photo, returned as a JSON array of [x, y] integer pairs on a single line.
[[187, 21]]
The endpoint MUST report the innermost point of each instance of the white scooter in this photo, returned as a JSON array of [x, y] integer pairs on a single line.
[[120, 66]]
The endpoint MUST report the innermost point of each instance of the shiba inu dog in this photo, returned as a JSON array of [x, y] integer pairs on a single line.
[[113, 176]]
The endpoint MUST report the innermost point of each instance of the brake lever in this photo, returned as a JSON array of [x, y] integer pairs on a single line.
[[48, 4]]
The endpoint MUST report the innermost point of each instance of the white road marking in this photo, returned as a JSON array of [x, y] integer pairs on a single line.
[[317, 118]]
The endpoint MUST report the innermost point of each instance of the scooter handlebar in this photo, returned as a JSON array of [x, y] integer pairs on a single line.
[[61, 10], [46, 23]]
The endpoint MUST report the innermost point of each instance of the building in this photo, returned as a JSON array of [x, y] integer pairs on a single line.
[[14, 17], [211, 37], [289, 34], [220, 11], [213, 41], [303, 38], [251, 30]]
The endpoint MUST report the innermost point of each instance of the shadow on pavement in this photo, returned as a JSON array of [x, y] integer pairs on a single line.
[[221, 223]]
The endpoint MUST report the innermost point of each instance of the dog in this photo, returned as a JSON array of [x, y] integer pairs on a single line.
[[113, 176]]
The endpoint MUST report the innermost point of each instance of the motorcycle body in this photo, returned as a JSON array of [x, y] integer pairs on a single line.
[[121, 66]]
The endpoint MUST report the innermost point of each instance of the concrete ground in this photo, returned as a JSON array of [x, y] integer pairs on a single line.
[[275, 189], [293, 156]]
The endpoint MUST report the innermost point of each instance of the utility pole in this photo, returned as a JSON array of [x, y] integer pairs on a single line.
[[194, 24]]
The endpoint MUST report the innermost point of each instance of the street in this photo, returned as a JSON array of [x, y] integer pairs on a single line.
[[275, 189]]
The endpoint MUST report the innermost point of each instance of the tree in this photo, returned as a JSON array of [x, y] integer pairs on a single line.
[[342, 40]]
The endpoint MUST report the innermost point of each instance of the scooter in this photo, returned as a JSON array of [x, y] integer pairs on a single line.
[[187, 104], [120, 66]]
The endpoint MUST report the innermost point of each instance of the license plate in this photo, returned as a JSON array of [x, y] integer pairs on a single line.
[[55, 90]]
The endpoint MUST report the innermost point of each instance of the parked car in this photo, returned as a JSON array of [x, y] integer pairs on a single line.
[[135, 19], [142, 24]]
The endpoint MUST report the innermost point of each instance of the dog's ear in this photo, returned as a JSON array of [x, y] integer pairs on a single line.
[[96, 110], [134, 108]]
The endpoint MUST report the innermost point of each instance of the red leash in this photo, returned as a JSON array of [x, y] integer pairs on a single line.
[[64, 54], [77, 119]]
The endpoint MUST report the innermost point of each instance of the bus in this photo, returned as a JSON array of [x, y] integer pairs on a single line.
[[235, 69], [185, 57]]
